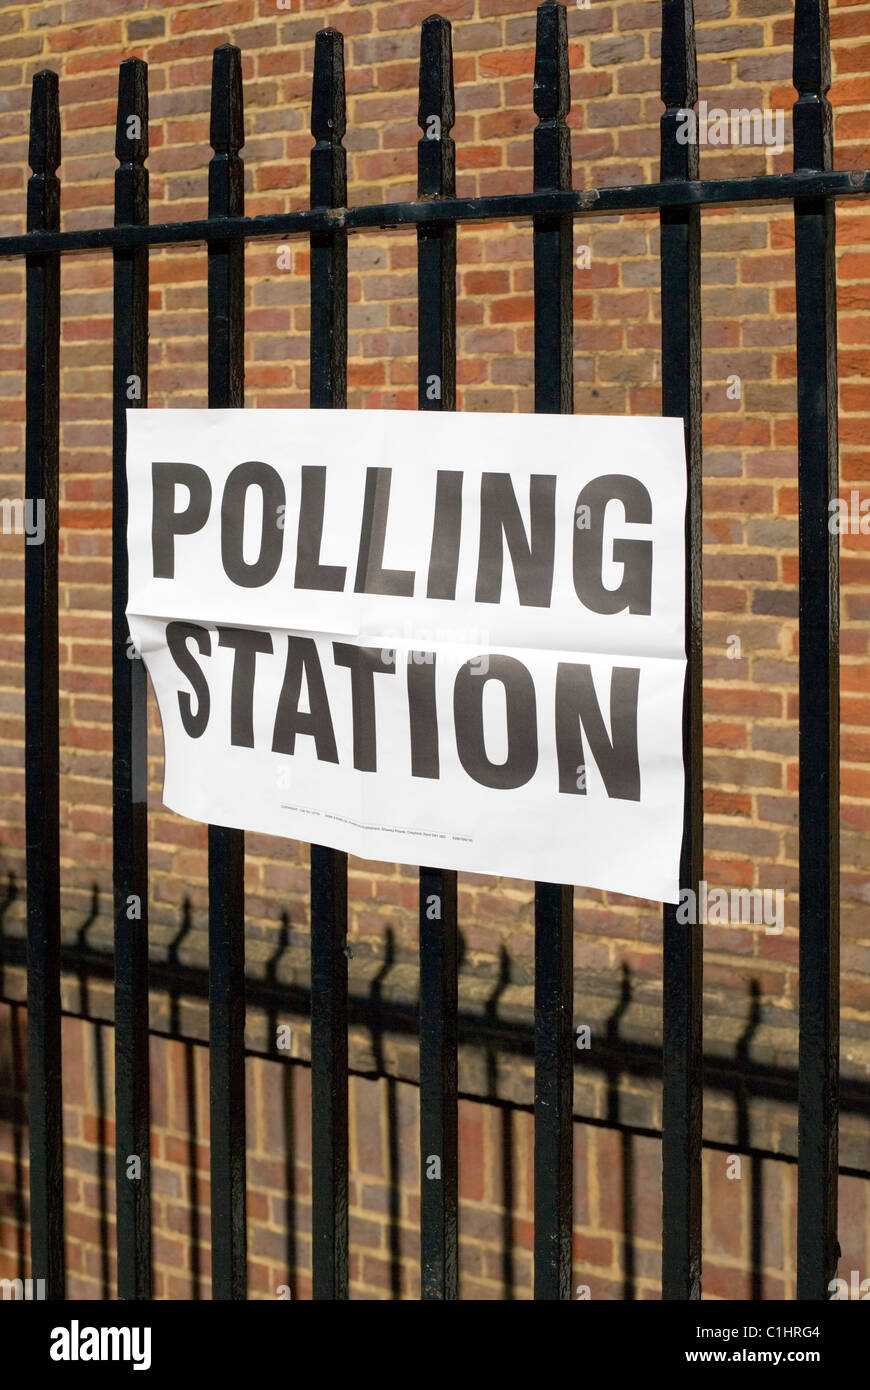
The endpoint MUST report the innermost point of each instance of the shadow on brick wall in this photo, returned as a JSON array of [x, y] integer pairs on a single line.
[[739, 1078]]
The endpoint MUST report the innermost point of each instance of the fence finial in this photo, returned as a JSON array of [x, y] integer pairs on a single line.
[[43, 156], [679, 74], [812, 116], [131, 143], [328, 121], [227, 131], [679, 90], [436, 74], [131, 125], [552, 100], [226, 177], [436, 112], [552, 77], [327, 96]]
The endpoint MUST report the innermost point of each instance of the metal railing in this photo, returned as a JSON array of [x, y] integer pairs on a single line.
[[552, 205]]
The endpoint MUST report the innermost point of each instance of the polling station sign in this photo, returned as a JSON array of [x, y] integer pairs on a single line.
[[424, 638]]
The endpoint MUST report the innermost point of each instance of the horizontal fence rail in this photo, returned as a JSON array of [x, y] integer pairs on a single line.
[[498, 207], [677, 198]]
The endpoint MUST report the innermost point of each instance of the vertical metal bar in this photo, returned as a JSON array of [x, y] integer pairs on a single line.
[[554, 913], [436, 367], [682, 1054], [436, 245], [328, 390], [226, 848], [819, 791], [44, 1089], [129, 714]]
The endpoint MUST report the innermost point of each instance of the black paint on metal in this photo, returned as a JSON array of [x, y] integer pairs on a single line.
[[552, 205], [754, 191], [554, 912], [226, 847], [436, 390], [682, 1056], [818, 586], [129, 714], [44, 1087], [328, 391]]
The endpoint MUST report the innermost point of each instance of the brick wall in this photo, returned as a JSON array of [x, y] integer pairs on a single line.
[[750, 592]]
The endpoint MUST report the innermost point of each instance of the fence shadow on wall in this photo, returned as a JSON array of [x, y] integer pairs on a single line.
[[615, 1059]]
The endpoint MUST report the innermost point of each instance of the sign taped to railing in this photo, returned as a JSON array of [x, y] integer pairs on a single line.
[[425, 638]]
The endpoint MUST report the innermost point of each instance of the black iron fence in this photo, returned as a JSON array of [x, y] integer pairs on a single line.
[[552, 205]]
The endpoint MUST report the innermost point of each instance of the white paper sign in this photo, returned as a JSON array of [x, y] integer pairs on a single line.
[[445, 639]]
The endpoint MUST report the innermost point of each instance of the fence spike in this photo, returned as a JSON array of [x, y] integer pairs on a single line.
[[436, 152], [679, 90], [226, 131], [811, 62], [328, 121], [328, 112], [552, 99], [43, 154], [436, 74], [812, 117], [679, 68], [226, 178], [131, 142]]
